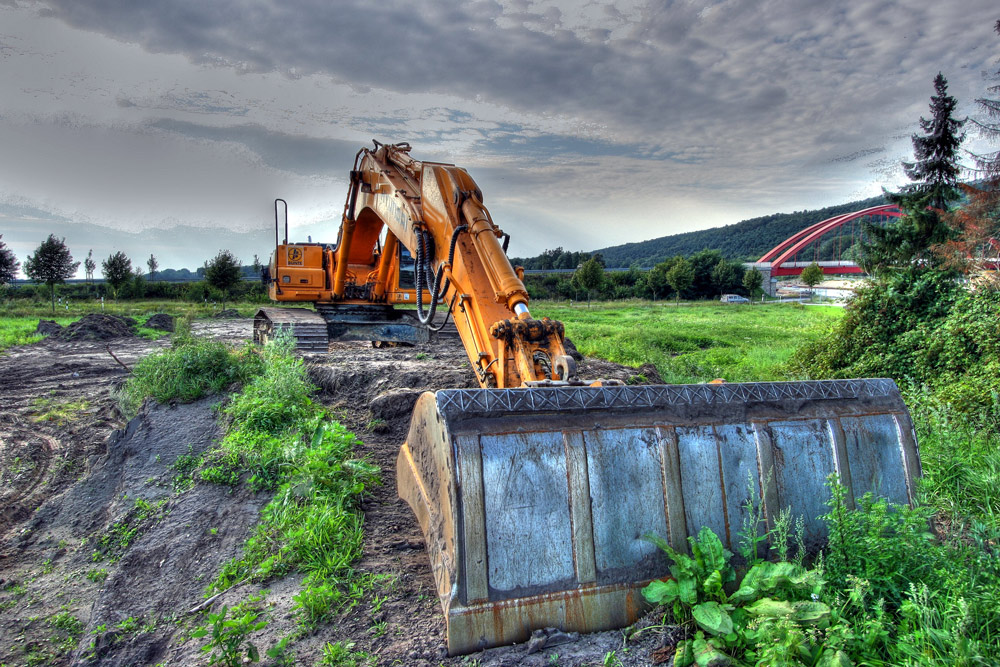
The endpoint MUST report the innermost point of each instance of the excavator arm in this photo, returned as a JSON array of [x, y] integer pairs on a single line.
[[436, 212]]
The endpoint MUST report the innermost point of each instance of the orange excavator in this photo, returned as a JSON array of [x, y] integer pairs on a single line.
[[535, 493]]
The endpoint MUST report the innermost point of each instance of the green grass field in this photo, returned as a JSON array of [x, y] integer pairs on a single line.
[[694, 342], [21, 330], [18, 319]]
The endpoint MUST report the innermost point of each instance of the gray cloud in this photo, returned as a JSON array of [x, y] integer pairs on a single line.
[[295, 153], [576, 117]]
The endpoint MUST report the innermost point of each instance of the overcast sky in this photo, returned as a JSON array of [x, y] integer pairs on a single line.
[[170, 127]]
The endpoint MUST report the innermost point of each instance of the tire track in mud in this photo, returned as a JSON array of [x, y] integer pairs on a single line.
[[25, 458]]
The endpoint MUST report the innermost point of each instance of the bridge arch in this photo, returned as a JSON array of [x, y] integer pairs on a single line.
[[782, 259]]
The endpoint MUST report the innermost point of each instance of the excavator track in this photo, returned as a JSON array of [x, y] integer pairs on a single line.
[[307, 327]]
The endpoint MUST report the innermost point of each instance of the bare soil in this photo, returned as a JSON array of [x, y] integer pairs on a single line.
[[70, 480]]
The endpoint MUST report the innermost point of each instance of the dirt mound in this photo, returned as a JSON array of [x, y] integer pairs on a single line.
[[161, 321], [571, 349], [155, 546], [228, 313], [48, 327], [97, 327]]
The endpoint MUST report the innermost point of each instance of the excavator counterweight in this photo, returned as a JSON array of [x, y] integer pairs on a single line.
[[535, 493]]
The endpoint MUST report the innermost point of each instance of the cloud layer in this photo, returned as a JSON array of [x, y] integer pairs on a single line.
[[613, 122]]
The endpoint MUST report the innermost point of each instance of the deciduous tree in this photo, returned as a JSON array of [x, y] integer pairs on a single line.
[[89, 265], [656, 279], [976, 241], [589, 276], [680, 276], [752, 281], [117, 271], [223, 272], [8, 264], [51, 263], [727, 276], [812, 275], [153, 265]]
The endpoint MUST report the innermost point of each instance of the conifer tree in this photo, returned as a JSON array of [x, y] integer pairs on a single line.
[[989, 127], [906, 243], [935, 168]]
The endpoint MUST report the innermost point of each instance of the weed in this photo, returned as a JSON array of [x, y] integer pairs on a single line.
[[318, 602], [775, 607], [229, 638], [378, 629], [129, 626], [143, 514], [50, 409], [377, 426], [184, 467], [341, 654], [67, 622], [281, 654], [97, 575], [310, 524], [422, 356]]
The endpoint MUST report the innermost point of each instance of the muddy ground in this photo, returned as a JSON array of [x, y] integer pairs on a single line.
[[104, 560]]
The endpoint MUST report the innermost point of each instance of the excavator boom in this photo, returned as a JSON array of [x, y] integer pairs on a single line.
[[535, 492]]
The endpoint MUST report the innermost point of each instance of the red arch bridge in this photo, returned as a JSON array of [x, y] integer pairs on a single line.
[[828, 243]]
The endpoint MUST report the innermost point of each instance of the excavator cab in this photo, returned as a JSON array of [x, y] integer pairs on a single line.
[[535, 492]]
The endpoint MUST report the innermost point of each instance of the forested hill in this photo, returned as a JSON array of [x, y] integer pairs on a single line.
[[746, 240]]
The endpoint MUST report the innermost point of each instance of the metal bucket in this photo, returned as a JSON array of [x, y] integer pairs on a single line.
[[534, 502]]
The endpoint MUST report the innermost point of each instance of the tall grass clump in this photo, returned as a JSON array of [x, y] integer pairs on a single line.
[[279, 440], [936, 590], [191, 368]]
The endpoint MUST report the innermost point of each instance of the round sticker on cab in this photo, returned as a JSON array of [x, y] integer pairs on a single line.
[[294, 256]]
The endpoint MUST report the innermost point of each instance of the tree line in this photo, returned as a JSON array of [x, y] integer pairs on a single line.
[[706, 274], [52, 264], [746, 241]]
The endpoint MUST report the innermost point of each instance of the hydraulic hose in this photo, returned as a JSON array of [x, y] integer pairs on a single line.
[[424, 274]]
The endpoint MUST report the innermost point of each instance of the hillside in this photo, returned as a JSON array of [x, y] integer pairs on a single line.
[[745, 240]]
